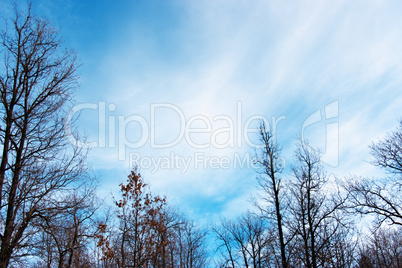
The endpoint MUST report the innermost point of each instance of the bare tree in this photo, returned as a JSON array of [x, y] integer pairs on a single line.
[[225, 245], [190, 242], [383, 249], [382, 197], [38, 165], [271, 183], [388, 153], [181, 244], [317, 213], [65, 236], [245, 242], [253, 237]]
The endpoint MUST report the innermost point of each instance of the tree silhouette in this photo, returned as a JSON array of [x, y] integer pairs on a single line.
[[38, 162]]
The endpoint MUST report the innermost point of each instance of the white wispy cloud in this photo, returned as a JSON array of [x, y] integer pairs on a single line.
[[276, 58]]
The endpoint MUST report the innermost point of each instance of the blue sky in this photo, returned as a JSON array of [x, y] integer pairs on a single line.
[[220, 59]]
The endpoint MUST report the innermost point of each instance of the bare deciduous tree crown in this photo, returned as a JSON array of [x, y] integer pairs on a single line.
[[38, 166]]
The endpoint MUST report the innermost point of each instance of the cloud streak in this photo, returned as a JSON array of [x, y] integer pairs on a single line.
[[203, 57]]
